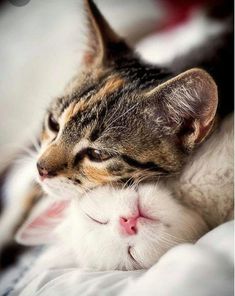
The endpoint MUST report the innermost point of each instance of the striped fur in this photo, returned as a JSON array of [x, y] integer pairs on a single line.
[[144, 119]]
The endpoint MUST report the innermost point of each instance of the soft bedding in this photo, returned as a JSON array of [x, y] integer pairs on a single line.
[[204, 269]]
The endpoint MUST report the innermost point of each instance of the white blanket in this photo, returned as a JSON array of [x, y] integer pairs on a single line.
[[203, 269]]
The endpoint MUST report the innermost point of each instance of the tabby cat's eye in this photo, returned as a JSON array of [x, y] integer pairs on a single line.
[[98, 155], [53, 124]]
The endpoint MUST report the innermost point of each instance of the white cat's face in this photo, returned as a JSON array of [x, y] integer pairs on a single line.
[[128, 229]]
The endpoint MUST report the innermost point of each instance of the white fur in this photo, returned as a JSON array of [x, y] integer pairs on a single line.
[[207, 182], [61, 187], [105, 246]]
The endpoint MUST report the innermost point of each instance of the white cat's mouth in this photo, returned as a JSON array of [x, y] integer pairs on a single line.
[[142, 213]]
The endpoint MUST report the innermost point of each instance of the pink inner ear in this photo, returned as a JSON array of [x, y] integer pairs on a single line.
[[54, 212], [38, 229]]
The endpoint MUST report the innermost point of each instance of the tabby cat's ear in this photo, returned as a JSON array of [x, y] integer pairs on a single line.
[[188, 102], [103, 43]]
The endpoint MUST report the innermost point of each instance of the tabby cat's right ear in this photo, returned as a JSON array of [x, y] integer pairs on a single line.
[[187, 104], [104, 45]]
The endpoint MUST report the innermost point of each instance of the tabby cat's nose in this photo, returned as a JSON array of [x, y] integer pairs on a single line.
[[44, 173]]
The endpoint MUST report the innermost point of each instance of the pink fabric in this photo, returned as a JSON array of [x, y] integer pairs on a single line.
[[178, 12]]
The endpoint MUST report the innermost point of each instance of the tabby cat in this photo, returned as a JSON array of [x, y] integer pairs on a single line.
[[121, 118]]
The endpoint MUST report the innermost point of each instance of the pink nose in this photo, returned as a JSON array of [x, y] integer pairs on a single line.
[[129, 225]]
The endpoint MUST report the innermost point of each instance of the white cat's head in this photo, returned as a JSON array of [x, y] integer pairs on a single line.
[[117, 229]]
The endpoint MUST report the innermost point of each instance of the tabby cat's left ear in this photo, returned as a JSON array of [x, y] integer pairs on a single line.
[[103, 43], [188, 104]]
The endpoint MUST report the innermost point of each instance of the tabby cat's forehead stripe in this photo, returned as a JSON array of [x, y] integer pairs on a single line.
[[85, 93], [104, 110], [94, 117], [91, 99], [64, 102], [112, 85], [132, 77]]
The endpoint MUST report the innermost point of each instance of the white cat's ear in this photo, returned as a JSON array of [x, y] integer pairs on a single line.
[[39, 228], [103, 43], [188, 103]]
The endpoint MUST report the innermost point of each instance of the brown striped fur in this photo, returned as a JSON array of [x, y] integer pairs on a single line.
[[147, 119]]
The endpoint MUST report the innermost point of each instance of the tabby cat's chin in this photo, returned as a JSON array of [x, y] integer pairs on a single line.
[[60, 187]]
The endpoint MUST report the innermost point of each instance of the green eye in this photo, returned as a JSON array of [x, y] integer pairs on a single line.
[[53, 124], [98, 155]]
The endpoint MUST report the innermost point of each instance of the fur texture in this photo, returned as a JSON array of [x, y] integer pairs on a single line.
[[91, 227], [122, 119], [119, 120], [207, 182], [205, 199]]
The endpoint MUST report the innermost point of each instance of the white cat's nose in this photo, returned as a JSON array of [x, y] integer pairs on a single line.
[[129, 225]]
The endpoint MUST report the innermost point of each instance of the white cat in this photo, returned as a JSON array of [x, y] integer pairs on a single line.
[[115, 229]]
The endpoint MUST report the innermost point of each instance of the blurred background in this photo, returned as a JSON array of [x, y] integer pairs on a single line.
[[42, 44]]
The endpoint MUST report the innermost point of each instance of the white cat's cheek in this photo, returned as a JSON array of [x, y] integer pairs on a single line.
[[106, 252]]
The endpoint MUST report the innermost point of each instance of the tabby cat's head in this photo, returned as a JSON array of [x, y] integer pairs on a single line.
[[121, 118]]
